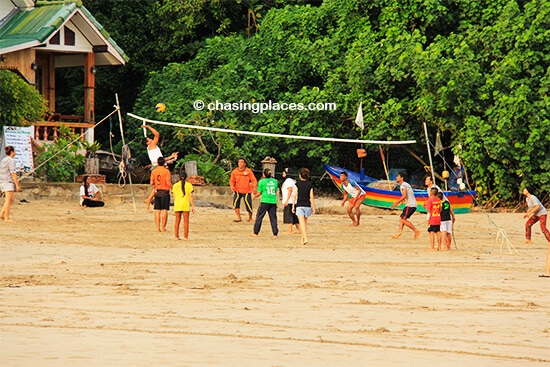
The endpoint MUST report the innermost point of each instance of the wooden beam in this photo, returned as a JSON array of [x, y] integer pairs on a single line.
[[415, 156], [100, 48], [51, 82], [89, 88]]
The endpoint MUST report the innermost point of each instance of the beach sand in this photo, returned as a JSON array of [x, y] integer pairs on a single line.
[[99, 287]]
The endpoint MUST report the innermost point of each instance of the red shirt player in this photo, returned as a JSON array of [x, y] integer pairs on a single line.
[[433, 206]]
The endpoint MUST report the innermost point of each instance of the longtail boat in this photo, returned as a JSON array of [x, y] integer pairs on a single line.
[[382, 193]]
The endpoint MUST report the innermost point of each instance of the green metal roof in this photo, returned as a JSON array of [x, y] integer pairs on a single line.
[[33, 27]]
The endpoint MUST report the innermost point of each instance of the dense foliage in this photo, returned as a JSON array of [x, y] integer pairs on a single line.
[[19, 102], [63, 158], [477, 72], [154, 33]]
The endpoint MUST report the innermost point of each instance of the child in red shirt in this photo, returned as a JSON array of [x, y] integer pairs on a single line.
[[433, 205]]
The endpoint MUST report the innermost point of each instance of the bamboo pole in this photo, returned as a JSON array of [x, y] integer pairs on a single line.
[[385, 167], [421, 161], [429, 150]]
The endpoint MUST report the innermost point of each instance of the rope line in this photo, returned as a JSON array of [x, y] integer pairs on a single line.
[[111, 136], [124, 165], [501, 233], [65, 147]]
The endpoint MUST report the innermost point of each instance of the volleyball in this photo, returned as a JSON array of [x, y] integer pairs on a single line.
[[160, 107]]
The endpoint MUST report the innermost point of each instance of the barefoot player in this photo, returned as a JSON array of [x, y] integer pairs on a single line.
[[407, 195]]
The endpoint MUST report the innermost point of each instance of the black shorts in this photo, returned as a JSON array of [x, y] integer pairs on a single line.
[[247, 201], [408, 211], [434, 228], [162, 200], [288, 216]]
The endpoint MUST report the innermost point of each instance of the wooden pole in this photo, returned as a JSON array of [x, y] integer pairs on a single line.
[[385, 168], [415, 156], [89, 88], [429, 150]]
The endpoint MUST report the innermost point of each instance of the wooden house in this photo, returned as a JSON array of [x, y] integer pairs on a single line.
[[39, 37]]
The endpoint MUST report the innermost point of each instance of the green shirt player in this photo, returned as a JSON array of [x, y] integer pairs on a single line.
[[267, 188]]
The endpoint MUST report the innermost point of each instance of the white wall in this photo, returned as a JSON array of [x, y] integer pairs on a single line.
[[6, 6]]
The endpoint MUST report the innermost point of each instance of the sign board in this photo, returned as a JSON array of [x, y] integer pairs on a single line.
[[20, 138]]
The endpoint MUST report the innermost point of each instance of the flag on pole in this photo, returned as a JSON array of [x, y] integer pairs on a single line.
[[438, 146], [359, 118]]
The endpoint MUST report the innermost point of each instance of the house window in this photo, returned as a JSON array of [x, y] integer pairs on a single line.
[[69, 37], [55, 39]]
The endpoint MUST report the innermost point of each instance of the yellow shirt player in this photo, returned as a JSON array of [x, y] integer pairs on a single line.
[[183, 204]]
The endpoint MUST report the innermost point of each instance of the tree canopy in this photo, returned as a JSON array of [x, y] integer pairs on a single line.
[[19, 102], [476, 72]]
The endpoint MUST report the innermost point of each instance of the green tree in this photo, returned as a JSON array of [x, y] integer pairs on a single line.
[[507, 138], [478, 73], [62, 159], [19, 102], [155, 33]]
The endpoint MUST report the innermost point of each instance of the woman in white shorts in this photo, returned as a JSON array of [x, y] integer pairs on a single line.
[[8, 182]]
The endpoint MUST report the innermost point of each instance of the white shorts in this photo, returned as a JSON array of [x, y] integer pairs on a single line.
[[8, 186], [446, 226]]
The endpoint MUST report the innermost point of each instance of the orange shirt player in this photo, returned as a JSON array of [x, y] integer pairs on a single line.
[[243, 183], [162, 183]]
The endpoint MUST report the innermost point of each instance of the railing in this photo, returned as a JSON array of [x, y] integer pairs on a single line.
[[49, 130]]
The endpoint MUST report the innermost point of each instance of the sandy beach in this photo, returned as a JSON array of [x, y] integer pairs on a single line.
[[99, 287]]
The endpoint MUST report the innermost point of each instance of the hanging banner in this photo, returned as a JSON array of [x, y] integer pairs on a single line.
[[20, 138]]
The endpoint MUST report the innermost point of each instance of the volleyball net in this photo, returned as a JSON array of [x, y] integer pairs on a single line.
[[272, 135]]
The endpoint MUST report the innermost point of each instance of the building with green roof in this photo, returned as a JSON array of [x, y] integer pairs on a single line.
[[38, 37]]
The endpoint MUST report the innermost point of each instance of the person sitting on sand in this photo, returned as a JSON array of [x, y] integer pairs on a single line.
[[89, 194]]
